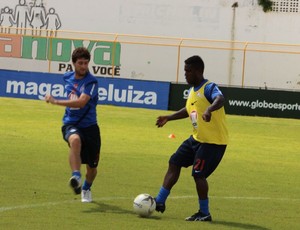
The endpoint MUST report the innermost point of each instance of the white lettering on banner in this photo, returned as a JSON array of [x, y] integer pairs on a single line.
[[264, 105], [128, 95], [33, 88]]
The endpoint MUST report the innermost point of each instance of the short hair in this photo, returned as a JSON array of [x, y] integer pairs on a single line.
[[196, 62], [80, 52]]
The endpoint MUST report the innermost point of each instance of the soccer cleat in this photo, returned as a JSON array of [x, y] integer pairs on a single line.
[[160, 207], [199, 216], [86, 196], [75, 184]]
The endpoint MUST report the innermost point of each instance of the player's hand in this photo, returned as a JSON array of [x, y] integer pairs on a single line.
[[49, 99], [161, 121], [206, 116]]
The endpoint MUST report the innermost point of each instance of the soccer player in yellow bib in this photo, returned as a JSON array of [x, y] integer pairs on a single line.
[[205, 148]]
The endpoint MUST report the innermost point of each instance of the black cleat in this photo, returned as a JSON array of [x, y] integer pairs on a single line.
[[199, 216], [75, 184], [77, 191], [160, 207]]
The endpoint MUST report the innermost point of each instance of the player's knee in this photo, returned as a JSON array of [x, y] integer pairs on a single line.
[[174, 168], [74, 140], [199, 179]]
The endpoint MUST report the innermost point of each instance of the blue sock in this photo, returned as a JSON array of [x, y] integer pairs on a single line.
[[162, 195], [86, 186], [76, 173], [204, 206]]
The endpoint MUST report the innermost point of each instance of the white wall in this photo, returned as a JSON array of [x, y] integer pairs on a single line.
[[189, 18], [198, 19]]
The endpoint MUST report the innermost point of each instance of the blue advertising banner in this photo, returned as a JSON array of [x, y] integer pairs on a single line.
[[134, 93], [112, 91]]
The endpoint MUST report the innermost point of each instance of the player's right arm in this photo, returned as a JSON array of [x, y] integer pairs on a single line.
[[162, 120], [77, 103]]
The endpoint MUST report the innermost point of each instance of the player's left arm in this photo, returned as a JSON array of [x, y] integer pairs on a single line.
[[215, 96]]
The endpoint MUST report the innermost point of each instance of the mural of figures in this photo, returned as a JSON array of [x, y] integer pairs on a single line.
[[38, 17], [29, 14], [6, 19], [52, 22], [22, 16]]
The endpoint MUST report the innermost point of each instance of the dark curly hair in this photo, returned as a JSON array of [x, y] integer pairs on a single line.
[[80, 52], [196, 62]]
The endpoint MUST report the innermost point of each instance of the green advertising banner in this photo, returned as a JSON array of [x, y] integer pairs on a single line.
[[252, 102]]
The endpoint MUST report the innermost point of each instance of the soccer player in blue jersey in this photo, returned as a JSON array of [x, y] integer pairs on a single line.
[[80, 129], [205, 148]]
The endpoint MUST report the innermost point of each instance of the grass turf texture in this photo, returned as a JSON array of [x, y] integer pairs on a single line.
[[256, 186]]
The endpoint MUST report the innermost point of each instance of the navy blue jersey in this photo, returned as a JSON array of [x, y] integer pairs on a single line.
[[86, 116]]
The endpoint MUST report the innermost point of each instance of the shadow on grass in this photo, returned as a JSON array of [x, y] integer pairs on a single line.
[[239, 225], [108, 208]]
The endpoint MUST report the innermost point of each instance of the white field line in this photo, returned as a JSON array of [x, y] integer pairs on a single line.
[[48, 204]]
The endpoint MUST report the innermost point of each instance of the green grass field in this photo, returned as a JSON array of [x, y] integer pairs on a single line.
[[256, 186]]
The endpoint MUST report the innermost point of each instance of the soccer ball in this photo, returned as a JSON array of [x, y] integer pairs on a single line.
[[144, 205]]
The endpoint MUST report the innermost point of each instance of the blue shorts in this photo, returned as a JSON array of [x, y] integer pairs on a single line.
[[203, 156], [91, 142]]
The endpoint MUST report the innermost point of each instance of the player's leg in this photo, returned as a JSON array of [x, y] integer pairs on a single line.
[[90, 157], [72, 135], [90, 176], [202, 190], [207, 158], [183, 157], [86, 194], [74, 153], [171, 176], [170, 180], [75, 162]]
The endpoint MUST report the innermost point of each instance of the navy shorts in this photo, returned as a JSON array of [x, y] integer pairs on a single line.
[[91, 142], [203, 156]]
